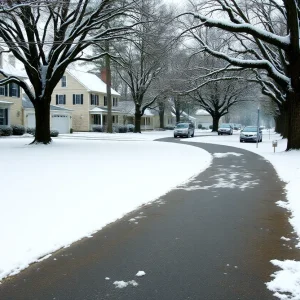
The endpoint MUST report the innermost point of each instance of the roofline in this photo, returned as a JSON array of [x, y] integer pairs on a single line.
[[88, 90]]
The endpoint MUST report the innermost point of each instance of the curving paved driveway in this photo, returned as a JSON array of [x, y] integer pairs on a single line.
[[211, 239]]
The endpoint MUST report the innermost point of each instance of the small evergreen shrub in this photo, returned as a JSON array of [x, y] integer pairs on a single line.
[[18, 129], [6, 130], [130, 127], [199, 126], [122, 129], [97, 128], [169, 127], [210, 127], [54, 133], [30, 130], [71, 130]]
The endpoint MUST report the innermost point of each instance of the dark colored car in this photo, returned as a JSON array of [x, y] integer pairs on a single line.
[[184, 129], [225, 129], [249, 134]]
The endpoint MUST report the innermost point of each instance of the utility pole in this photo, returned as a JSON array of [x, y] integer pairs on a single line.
[[108, 85], [257, 133]]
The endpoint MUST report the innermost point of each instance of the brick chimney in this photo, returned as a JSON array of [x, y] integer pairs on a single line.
[[103, 75]]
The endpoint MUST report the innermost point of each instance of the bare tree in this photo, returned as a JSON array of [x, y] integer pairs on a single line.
[[143, 57], [263, 35], [47, 35]]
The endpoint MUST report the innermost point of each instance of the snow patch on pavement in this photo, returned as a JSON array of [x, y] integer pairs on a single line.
[[286, 282], [221, 155], [140, 273]]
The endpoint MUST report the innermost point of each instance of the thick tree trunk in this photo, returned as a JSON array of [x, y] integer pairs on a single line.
[[216, 119], [293, 134], [42, 122], [177, 113], [137, 119], [108, 87], [161, 116]]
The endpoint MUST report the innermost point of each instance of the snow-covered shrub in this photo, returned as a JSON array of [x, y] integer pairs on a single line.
[[97, 128], [122, 129], [169, 127], [199, 126], [30, 130], [54, 133], [130, 127], [18, 129], [6, 130]]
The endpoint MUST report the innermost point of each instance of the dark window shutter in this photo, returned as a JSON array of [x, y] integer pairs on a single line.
[[6, 90], [73, 99], [56, 99], [91, 98], [105, 101], [10, 90], [64, 99], [6, 116], [81, 98], [18, 91], [97, 99]]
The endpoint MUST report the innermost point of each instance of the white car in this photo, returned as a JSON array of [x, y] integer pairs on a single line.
[[249, 134], [184, 129]]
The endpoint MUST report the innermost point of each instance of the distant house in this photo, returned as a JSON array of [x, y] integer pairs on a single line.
[[10, 96], [169, 118], [204, 118], [85, 94], [127, 109]]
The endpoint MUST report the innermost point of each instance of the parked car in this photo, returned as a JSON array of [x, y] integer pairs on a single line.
[[249, 134], [184, 129], [225, 129]]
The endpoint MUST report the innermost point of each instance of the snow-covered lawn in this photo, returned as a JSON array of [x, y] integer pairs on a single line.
[[54, 195], [287, 165]]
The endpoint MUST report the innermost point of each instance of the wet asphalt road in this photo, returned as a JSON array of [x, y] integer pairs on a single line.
[[211, 239]]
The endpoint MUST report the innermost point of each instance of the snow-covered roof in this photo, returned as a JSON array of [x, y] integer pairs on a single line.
[[27, 104], [201, 112], [5, 102], [188, 116], [91, 81], [128, 107], [11, 70], [100, 109]]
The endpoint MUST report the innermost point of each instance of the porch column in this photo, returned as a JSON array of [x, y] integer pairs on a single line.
[[101, 119], [145, 123]]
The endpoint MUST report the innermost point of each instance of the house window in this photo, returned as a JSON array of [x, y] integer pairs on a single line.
[[115, 101], [77, 99], [115, 119], [105, 101], [14, 90], [147, 121], [3, 91], [60, 99], [97, 119], [3, 116], [94, 99], [64, 81]]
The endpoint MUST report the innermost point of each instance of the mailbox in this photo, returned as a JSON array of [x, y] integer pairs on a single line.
[[274, 144]]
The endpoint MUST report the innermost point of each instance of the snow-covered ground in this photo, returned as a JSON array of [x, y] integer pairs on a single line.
[[287, 164], [54, 195], [84, 168]]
